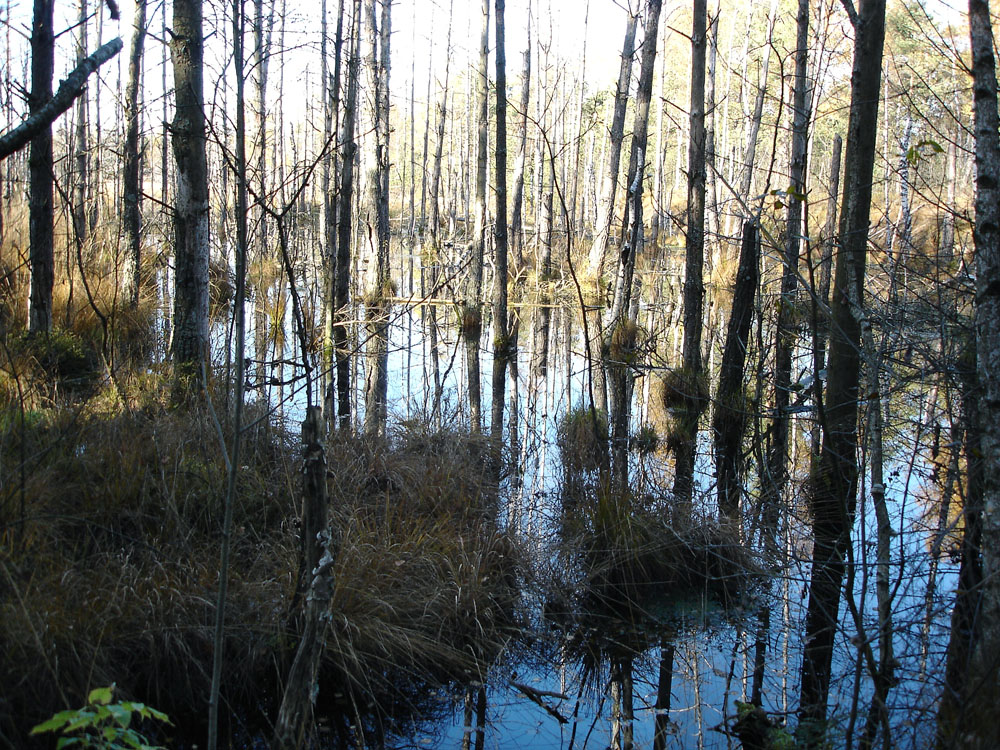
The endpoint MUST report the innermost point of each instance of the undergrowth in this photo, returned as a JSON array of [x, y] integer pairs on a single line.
[[110, 529]]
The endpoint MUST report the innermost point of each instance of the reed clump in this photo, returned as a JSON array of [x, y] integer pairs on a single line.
[[426, 581], [110, 531]]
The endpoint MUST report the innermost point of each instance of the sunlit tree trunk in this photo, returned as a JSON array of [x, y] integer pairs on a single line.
[[81, 146], [835, 492], [609, 184], [433, 254], [131, 182], [191, 209], [632, 242], [517, 201], [758, 111], [821, 322]]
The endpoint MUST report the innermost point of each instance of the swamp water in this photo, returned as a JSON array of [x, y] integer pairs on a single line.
[[671, 671]]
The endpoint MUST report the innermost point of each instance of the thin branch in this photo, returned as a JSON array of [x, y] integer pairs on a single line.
[[852, 13]]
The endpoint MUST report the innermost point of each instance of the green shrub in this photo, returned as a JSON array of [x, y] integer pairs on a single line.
[[101, 724]]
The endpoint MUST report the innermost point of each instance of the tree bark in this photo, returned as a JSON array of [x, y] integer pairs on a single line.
[[694, 251], [517, 201], [377, 209], [472, 316], [835, 493], [342, 273], [978, 727], [731, 409], [191, 209], [131, 184], [785, 331], [503, 348], [40, 175], [633, 241], [606, 206]]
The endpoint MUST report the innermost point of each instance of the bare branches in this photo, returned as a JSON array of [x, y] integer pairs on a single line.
[[69, 90]]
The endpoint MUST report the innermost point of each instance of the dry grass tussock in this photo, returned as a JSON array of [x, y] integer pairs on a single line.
[[426, 583], [110, 527], [631, 557]]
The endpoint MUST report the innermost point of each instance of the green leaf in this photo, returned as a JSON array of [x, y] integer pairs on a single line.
[[68, 741], [122, 715], [101, 696], [83, 719], [54, 723], [150, 712], [932, 145]]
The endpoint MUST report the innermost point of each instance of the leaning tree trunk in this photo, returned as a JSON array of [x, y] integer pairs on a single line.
[[622, 328], [40, 172], [606, 206], [191, 203], [835, 492], [694, 292], [632, 242], [731, 410], [605, 215], [131, 186]]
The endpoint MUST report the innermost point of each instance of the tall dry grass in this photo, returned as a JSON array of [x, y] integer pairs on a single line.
[[110, 526]]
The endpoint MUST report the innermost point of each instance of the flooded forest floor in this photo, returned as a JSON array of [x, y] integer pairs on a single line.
[[507, 595]]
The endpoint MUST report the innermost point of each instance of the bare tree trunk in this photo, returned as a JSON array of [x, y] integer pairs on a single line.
[[835, 495], [434, 254], [132, 184], [191, 207], [516, 211], [472, 315], [377, 176], [633, 241], [606, 206], [694, 291], [711, 191], [40, 171], [81, 156], [979, 728], [502, 345], [345, 218], [821, 322], [758, 111], [785, 331], [731, 409]]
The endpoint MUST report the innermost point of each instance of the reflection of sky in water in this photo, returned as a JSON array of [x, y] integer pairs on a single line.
[[712, 666]]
